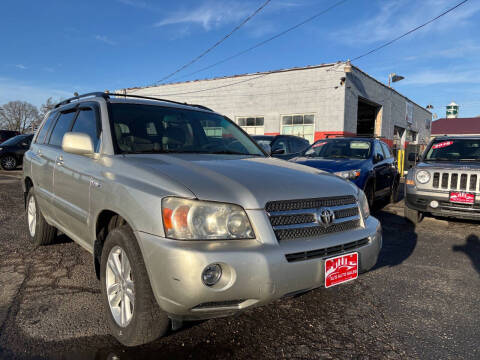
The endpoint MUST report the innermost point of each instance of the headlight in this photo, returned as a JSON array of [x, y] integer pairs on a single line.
[[363, 203], [349, 174], [185, 219], [423, 176]]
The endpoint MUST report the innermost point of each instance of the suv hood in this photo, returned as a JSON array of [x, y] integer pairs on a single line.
[[247, 181], [330, 165]]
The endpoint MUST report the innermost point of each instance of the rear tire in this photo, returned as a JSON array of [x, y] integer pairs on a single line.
[[370, 194], [394, 192], [8, 162], [412, 215], [40, 232], [143, 321]]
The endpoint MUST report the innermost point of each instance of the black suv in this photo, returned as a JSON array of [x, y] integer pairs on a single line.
[[12, 150], [446, 180], [282, 146]]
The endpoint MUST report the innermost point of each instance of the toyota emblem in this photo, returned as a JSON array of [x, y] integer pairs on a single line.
[[325, 217]]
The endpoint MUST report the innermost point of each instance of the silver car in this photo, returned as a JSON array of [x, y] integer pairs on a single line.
[[186, 217]]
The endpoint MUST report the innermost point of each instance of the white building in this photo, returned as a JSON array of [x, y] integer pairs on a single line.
[[313, 102]]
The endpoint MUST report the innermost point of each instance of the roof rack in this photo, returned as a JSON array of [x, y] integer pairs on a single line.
[[69, 100], [107, 96]]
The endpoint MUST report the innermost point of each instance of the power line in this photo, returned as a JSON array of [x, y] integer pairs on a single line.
[[217, 87], [409, 32], [216, 44], [313, 17]]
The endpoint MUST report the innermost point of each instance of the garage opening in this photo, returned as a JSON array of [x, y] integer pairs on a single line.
[[367, 115]]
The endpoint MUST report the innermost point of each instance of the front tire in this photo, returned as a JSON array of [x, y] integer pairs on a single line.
[[133, 314], [8, 162], [40, 232], [370, 194]]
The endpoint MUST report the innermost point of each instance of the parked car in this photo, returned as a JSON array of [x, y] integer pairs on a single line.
[[7, 134], [367, 162], [186, 217], [12, 150], [445, 181], [282, 146]]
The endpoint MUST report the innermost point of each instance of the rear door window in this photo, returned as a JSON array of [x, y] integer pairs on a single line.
[[63, 125], [87, 123], [281, 144], [40, 139]]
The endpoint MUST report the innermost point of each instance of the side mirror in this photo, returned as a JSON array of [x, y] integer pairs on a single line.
[[413, 157], [266, 147], [278, 151], [77, 143]]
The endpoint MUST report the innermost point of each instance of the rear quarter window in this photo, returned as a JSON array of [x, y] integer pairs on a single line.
[[45, 127]]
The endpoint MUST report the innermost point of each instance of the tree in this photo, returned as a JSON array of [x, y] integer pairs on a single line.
[[47, 106], [18, 116]]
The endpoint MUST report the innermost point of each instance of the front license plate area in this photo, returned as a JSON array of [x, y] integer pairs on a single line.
[[462, 197], [341, 269]]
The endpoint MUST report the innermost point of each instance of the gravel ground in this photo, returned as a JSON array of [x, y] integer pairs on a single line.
[[420, 301]]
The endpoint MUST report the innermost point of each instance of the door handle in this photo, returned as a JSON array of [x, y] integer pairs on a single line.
[[59, 161]]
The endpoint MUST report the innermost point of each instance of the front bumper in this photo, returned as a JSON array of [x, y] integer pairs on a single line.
[[420, 200], [254, 272]]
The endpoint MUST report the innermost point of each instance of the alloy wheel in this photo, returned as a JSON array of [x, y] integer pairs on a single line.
[[9, 163], [32, 216], [120, 286]]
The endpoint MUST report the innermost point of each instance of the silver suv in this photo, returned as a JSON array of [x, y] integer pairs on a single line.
[[186, 217]]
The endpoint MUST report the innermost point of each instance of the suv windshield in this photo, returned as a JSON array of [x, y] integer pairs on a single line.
[[454, 150], [142, 128], [339, 149]]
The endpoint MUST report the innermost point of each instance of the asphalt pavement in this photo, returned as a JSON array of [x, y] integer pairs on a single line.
[[420, 301]]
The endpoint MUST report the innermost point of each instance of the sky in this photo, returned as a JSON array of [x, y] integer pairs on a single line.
[[53, 48]]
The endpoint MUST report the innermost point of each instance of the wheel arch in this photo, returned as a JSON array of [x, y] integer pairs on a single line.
[[105, 221]]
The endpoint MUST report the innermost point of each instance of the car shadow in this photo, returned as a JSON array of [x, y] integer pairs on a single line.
[[471, 249], [399, 239]]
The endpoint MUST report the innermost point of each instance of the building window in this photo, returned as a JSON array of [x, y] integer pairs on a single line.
[[301, 125], [252, 125]]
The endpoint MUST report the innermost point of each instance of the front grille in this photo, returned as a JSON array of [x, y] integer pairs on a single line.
[[286, 205], [455, 181], [292, 219], [333, 250], [315, 231]]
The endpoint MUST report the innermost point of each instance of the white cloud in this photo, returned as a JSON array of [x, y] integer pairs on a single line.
[[396, 17], [104, 39], [459, 50], [21, 66], [11, 89], [134, 3], [447, 76], [211, 14]]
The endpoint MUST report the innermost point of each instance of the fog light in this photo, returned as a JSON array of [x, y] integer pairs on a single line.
[[211, 274], [434, 204]]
